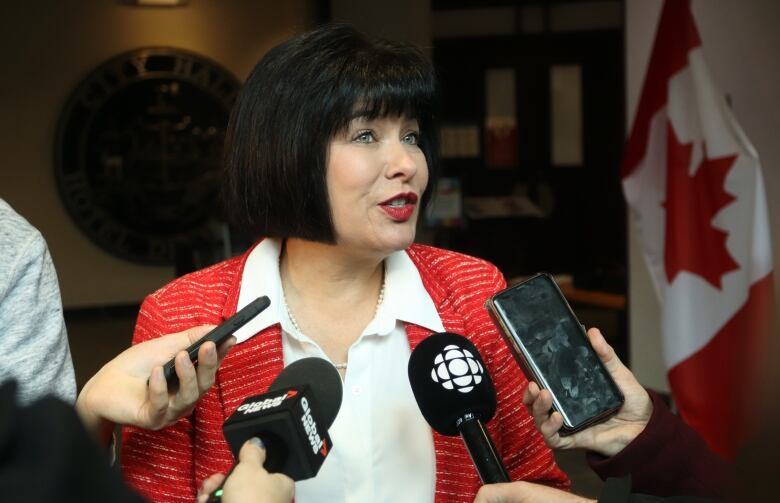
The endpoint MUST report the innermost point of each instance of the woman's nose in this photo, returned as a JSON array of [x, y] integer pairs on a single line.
[[401, 160]]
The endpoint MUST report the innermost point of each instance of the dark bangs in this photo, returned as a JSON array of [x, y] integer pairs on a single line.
[[376, 78], [383, 84]]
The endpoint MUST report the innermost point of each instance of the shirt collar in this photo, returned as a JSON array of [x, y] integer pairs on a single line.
[[261, 277], [405, 297]]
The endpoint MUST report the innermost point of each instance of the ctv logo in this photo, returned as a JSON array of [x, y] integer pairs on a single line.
[[317, 445], [268, 403]]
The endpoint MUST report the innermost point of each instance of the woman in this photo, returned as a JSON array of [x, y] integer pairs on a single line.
[[328, 156]]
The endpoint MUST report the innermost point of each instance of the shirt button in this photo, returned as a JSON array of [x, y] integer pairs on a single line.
[[356, 390]]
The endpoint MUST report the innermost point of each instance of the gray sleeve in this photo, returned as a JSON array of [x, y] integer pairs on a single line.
[[33, 341]]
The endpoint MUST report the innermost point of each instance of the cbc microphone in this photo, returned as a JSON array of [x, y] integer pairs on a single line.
[[456, 396], [292, 419]]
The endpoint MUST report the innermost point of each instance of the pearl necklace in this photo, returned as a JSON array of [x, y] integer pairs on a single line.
[[379, 300]]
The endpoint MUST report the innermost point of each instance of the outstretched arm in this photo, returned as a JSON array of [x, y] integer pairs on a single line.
[[131, 389]]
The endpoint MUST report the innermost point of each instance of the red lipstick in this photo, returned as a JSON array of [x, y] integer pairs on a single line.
[[400, 207]]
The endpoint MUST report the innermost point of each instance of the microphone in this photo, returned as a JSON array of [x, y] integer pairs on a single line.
[[292, 418], [456, 396]]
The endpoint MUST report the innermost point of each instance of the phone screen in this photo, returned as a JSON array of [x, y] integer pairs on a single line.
[[555, 348]]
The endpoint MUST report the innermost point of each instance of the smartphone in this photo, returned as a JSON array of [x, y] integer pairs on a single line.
[[552, 348], [218, 335]]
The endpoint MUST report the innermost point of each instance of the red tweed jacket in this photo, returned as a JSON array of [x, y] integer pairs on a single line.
[[169, 465]]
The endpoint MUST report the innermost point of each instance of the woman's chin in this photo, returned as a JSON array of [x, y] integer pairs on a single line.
[[384, 248], [400, 240]]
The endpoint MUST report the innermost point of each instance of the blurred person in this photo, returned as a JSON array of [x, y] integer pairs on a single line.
[[33, 339], [48, 456], [329, 158]]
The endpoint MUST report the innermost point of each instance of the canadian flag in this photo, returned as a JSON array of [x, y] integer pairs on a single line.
[[694, 187]]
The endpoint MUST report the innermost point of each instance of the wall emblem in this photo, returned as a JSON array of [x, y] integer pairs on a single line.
[[138, 150]]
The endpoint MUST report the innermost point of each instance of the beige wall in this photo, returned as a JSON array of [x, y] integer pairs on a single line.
[[741, 44], [46, 48]]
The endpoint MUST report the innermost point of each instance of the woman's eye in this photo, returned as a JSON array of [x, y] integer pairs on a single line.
[[364, 137], [412, 138]]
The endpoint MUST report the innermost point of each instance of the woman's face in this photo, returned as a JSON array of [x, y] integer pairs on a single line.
[[376, 175]]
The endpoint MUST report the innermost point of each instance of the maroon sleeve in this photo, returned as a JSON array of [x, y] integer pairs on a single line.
[[668, 458]]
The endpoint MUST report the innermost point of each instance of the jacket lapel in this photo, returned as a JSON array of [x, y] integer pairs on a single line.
[[446, 448], [250, 367]]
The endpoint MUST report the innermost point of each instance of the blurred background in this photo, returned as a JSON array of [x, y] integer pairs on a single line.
[[113, 113]]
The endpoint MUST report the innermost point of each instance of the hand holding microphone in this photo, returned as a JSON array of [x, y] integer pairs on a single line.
[[250, 482], [456, 396], [291, 419]]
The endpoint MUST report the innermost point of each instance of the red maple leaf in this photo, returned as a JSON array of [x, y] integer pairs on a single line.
[[691, 243]]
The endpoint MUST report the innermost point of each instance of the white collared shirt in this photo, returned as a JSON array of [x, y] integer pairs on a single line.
[[382, 446]]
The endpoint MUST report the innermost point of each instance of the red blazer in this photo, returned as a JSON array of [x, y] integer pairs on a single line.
[[169, 465]]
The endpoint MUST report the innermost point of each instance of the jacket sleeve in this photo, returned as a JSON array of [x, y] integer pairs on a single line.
[[668, 458], [159, 464], [523, 450]]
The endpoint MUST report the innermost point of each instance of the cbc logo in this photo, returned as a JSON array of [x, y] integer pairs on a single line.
[[456, 368]]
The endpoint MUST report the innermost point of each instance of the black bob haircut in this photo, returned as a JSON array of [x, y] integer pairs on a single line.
[[300, 95]]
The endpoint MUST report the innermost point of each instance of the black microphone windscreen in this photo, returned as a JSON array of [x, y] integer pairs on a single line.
[[323, 380], [449, 380]]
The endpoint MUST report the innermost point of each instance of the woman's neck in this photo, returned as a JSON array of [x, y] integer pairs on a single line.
[[322, 272], [330, 295]]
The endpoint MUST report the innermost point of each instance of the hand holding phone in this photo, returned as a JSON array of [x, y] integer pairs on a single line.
[[123, 392], [609, 437], [551, 347], [217, 336]]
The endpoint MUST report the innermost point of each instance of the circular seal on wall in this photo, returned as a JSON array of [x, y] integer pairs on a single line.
[[138, 151]]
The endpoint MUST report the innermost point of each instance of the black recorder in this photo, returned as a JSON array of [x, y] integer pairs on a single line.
[[553, 350], [218, 335], [291, 428]]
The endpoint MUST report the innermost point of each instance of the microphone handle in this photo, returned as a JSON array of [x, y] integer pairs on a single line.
[[481, 449]]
